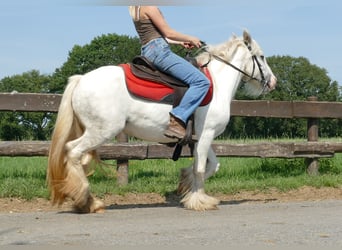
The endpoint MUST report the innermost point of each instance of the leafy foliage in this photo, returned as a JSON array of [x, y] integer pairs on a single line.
[[297, 80], [25, 125], [104, 50]]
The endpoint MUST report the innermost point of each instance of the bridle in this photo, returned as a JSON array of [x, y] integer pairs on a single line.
[[255, 60]]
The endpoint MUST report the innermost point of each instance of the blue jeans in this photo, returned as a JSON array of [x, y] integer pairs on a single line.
[[159, 53]]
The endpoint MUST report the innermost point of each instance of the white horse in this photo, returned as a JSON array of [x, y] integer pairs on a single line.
[[97, 106]]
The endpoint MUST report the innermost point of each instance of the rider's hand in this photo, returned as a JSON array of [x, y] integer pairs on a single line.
[[193, 42], [187, 45]]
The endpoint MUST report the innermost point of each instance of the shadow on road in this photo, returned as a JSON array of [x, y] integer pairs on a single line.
[[173, 200]]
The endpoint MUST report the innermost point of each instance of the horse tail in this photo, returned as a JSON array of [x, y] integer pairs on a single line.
[[67, 127]]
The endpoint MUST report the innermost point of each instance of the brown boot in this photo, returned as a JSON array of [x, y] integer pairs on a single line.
[[175, 129]]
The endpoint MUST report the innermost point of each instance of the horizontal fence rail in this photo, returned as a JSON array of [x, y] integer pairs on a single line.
[[142, 151], [31, 102]]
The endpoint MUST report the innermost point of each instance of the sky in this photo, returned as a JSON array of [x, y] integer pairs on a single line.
[[39, 34]]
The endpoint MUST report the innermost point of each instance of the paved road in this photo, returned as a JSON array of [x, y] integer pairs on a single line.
[[248, 224]]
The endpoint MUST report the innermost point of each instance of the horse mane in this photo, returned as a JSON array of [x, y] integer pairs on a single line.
[[224, 50]]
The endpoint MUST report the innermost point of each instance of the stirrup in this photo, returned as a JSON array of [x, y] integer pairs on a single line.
[[189, 139]]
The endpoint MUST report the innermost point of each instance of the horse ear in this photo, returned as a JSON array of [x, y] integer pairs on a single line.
[[247, 37]]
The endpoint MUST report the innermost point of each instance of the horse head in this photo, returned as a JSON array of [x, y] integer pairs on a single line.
[[252, 63], [258, 74]]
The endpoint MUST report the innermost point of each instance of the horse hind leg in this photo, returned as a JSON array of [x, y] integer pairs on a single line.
[[76, 183], [212, 164]]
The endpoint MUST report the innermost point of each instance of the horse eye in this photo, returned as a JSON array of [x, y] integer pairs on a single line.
[[262, 57]]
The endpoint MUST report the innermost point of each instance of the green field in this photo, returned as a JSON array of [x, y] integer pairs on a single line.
[[24, 177]]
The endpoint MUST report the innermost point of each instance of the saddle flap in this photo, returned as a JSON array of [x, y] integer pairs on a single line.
[[143, 61]]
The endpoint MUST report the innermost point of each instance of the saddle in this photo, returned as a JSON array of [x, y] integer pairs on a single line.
[[143, 68], [145, 81]]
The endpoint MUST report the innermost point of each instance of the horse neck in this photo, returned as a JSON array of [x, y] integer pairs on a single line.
[[227, 79]]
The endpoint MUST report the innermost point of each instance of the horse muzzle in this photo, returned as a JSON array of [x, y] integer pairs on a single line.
[[271, 84]]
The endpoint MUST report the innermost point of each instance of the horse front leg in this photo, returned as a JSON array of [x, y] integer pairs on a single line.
[[192, 182], [187, 176]]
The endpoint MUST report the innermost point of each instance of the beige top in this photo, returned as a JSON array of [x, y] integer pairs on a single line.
[[146, 30]]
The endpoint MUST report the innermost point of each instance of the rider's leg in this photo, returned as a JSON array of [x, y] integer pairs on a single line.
[[165, 60]]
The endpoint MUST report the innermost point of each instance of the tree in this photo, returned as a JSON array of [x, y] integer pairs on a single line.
[[298, 79], [108, 49], [111, 49], [25, 125]]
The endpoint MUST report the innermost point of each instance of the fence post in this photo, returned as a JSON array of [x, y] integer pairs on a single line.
[[122, 164], [312, 126]]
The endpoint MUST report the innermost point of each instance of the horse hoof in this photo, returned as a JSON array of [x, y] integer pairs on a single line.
[[98, 207], [199, 202], [92, 206]]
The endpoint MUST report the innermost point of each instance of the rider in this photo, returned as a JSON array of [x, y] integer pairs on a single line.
[[155, 35]]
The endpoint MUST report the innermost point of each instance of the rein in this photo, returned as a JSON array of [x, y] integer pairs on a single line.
[[255, 60]]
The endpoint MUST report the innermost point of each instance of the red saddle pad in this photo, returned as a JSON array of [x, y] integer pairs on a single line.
[[154, 91]]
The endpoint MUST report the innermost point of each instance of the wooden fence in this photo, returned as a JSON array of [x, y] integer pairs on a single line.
[[123, 151]]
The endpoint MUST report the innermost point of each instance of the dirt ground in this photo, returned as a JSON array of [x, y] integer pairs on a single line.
[[15, 205]]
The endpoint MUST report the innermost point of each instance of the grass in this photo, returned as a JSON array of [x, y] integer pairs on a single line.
[[24, 177], [282, 174]]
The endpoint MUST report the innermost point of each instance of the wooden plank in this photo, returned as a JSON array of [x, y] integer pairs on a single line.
[[315, 109], [314, 147], [41, 148], [278, 109], [123, 151], [287, 109], [24, 148], [29, 102], [270, 150], [262, 108], [253, 150], [158, 151]]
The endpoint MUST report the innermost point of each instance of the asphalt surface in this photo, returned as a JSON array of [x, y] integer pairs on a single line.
[[317, 224]]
